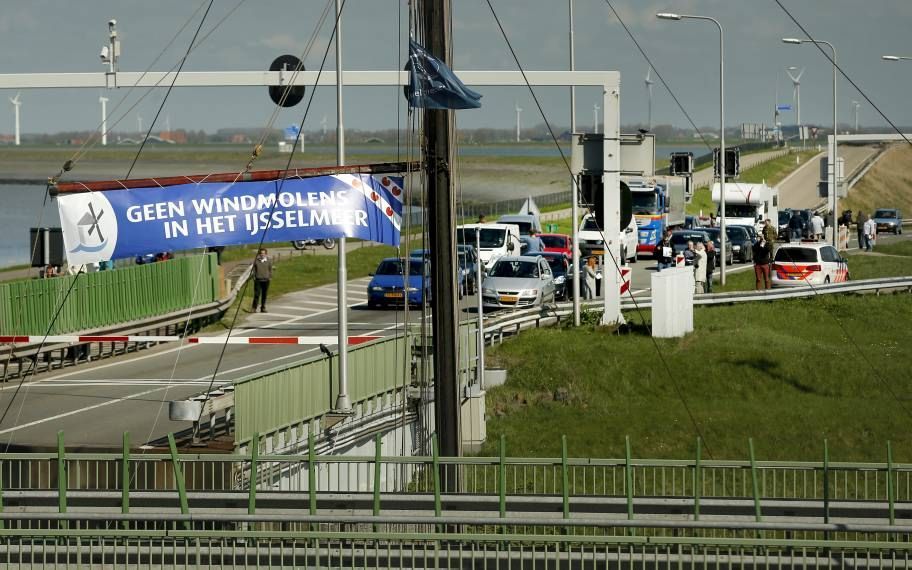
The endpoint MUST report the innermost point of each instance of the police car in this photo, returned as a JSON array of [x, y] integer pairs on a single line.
[[808, 263]]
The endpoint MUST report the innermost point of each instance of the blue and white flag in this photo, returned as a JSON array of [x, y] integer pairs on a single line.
[[115, 224], [433, 85]]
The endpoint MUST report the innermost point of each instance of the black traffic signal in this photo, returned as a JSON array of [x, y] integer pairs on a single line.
[[592, 196], [682, 164], [732, 162]]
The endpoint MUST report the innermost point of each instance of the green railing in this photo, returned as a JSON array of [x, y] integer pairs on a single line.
[[107, 298]]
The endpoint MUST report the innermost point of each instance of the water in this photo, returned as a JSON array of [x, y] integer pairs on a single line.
[[21, 209]]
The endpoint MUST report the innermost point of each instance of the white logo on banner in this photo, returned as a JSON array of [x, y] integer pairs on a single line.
[[89, 227]]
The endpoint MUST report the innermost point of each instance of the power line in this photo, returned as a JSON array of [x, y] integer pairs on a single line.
[[843, 73], [655, 344], [659, 75]]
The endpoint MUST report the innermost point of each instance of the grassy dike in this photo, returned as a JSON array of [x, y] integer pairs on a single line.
[[788, 374]]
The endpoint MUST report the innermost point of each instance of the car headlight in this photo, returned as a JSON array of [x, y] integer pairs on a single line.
[[489, 292], [376, 288], [412, 289], [560, 279], [736, 248], [528, 293]]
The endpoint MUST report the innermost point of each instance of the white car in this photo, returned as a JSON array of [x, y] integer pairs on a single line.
[[591, 242], [808, 263]]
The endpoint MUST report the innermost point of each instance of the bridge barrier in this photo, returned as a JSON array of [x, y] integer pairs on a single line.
[[104, 298]]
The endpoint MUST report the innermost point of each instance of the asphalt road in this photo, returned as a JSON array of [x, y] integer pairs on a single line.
[[800, 189]]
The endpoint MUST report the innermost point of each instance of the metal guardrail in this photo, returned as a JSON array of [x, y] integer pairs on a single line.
[[17, 360], [512, 322]]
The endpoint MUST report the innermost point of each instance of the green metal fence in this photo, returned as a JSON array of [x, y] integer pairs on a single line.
[[106, 298]]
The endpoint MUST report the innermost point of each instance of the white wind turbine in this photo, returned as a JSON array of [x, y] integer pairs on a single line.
[[323, 126], [518, 113], [796, 92], [16, 103], [649, 83], [595, 110]]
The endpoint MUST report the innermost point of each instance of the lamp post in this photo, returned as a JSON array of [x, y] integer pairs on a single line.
[[574, 195], [835, 156], [722, 236]]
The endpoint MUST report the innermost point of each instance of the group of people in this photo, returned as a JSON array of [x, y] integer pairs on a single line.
[[867, 230], [797, 226]]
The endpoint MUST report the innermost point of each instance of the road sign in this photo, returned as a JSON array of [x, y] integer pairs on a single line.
[[784, 107]]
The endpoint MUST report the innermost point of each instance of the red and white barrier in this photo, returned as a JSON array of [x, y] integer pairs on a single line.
[[625, 279], [300, 340]]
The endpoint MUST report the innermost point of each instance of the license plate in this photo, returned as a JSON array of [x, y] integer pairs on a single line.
[[598, 252], [508, 298], [393, 295]]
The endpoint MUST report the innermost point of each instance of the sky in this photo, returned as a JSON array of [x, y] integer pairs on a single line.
[[66, 36]]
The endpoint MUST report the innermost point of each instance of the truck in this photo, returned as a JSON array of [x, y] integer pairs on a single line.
[[747, 204], [658, 205]]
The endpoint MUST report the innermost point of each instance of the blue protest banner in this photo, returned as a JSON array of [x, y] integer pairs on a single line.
[[115, 224]]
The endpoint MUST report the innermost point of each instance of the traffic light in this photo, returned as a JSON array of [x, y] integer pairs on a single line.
[[732, 162], [681, 164], [592, 196]]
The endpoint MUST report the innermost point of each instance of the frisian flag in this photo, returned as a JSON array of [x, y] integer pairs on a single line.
[[433, 85], [155, 216]]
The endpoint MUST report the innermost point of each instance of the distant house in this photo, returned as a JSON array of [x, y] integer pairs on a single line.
[[178, 137], [239, 138]]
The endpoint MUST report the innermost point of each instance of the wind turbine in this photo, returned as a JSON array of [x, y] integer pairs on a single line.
[[16, 103], [323, 126], [856, 105], [649, 94], [518, 113], [104, 119], [595, 110], [796, 93], [139, 126]]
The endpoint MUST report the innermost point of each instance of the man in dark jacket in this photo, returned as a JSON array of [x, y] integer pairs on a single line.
[[796, 226], [710, 264], [664, 252], [762, 264], [262, 274], [859, 225]]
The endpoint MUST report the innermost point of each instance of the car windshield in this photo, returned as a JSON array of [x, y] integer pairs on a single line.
[[554, 241], [523, 269], [885, 214], [394, 267], [489, 237], [591, 225], [679, 239], [737, 233], [556, 263], [644, 202], [740, 211], [796, 255]]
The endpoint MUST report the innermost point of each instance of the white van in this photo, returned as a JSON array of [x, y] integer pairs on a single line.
[[591, 243], [497, 240]]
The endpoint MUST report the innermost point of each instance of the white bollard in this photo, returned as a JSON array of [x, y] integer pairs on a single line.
[[672, 302]]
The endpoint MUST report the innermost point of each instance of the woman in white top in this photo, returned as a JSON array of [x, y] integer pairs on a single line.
[[699, 268]]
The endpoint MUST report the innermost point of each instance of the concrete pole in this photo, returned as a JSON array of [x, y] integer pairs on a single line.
[[834, 189], [104, 120], [16, 104], [518, 113], [722, 236], [574, 194], [343, 403], [611, 212], [595, 110], [480, 310]]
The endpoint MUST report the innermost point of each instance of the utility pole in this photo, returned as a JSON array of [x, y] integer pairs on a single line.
[[595, 110], [574, 195], [343, 403], [435, 16]]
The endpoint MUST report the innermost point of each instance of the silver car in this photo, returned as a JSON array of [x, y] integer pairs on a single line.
[[518, 281]]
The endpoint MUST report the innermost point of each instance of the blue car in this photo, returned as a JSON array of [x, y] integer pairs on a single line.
[[389, 285]]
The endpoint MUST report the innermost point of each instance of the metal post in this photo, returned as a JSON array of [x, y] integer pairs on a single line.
[[377, 472], [611, 212], [479, 307], [254, 456], [343, 403], [502, 476], [442, 222], [565, 478], [179, 479], [104, 120], [722, 236], [758, 515], [61, 476], [826, 482], [125, 475], [698, 479], [835, 189], [891, 498], [435, 467], [574, 194], [311, 474]]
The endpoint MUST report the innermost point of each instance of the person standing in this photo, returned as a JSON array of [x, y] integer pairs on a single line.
[[664, 252], [589, 273], [870, 230], [710, 265], [689, 253], [859, 227], [713, 222], [817, 226], [699, 265], [796, 226], [762, 259], [262, 275]]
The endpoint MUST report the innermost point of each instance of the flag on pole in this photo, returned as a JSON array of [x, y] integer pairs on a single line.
[[432, 85]]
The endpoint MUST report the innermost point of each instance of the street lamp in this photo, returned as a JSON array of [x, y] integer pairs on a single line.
[[722, 236], [833, 180]]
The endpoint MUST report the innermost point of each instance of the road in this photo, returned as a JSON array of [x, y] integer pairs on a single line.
[[799, 190]]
